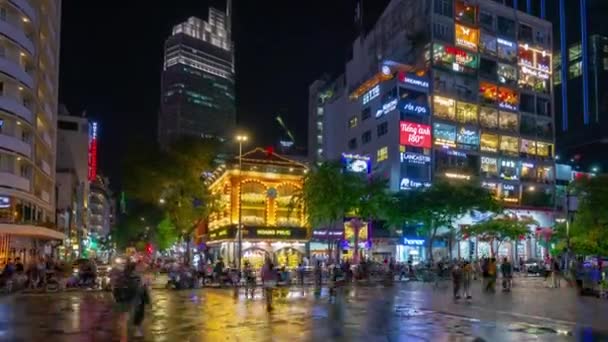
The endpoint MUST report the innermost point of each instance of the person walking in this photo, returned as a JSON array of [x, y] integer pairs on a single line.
[[555, 273], [467, 278], [131, 296], [269, 280], [456, 280], [491, 275], [506, 269]]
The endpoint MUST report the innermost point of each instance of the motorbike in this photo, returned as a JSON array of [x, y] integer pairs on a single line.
[[179, 280]]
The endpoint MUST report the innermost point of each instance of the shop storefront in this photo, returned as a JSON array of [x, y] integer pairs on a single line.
[[411, 248], [325, 242]]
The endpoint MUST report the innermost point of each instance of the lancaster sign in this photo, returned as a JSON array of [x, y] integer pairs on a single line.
[[415, 158]]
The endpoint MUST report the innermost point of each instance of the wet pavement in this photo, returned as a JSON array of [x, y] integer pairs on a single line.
[[404, 312]]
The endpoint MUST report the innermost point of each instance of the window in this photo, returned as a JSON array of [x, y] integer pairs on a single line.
[[1, 88], [508, 99], [466, 112], [352, 143], [441, 31], [445, 135], [527, 125], [366, 114], [486, 20], [543, 106], [509, 145], [527, 147], [366, 137], [544, 149], [489, 142], [382, 154], [487, 44], [3, 14], [444, 107], [382, 129], [508, 169], [489, 167], [487, 69], [525, 33], [488, 93], [505, 27], [507, 74], [575, 70], [467, 138], [488, 117], [353, 122], [509, 121], [507, 50], [444, 7], [465, 12], [575, 52]]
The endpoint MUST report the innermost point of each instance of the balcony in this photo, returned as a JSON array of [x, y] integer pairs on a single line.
[[48, 112], [45, 196], [26, 8], [47, 139], [51, 87], [17, 35], [51, 55], [31, 230], [12, 105], [45, 167], [16, 71], [16, 145], [14, 181]]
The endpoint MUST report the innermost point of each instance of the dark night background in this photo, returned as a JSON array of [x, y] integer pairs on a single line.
[[112, 54]]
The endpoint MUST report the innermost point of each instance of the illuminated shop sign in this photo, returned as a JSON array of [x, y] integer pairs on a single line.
[[467, 138], [330, 233], [5, 202], [445, 135], [413, 241], [409, 184], [467, 37], [275, 233], [222, 234], [412, 107], [454, 58], [415, 158], [505, 42], [534, 62], [387, 108], [414, 134], [356, 163], [414, 81], [371, 94], [457, 176], [508, 99], [92, 151]]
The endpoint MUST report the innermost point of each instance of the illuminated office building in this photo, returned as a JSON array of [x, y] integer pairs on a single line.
[[197, 95]]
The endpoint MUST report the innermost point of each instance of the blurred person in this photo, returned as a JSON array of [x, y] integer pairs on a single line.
[[506, 269], [269, 280], [491, 278], [456, 280], [555, 273], [467, 278]]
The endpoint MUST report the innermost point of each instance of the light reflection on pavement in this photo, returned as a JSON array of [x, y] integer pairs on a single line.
[[405, 312]]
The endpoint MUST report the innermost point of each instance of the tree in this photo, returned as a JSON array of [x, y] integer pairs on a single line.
[[440, 205], [173, 181], [136, 225], [501, 228], [165, 235], [588, 233]]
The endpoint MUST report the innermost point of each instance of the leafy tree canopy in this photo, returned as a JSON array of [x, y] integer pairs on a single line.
[[589, 231]]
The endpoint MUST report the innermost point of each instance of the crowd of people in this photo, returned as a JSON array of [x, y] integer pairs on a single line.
[[38, 273]]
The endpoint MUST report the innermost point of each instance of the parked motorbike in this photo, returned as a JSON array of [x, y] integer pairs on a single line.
[[181, 280]]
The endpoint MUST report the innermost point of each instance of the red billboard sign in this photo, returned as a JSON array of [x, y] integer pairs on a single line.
[[415, 134]]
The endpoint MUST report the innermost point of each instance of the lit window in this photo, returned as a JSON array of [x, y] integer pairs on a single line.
[[353, 122], [382, 154], [575, 52], [489, 142], [575, 70], [466, 112], [444, 108], [509, 121], [488, 117], [509, 144]]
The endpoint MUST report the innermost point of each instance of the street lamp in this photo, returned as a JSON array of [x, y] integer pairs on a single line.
[[240, 139]]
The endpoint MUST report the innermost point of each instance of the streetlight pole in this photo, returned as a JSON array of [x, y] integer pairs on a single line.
[[239, 231]]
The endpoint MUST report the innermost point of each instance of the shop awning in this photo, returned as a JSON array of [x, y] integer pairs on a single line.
[[31, 231]]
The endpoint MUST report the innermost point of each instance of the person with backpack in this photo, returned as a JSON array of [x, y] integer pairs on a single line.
[[131, 296], [507, 274]]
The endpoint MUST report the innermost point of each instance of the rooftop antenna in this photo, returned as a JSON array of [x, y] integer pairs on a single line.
[[229, 17]]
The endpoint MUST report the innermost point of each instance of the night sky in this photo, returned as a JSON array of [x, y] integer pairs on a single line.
[[112, 53]]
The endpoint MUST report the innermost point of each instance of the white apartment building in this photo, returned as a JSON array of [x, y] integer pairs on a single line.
[[29, 66]]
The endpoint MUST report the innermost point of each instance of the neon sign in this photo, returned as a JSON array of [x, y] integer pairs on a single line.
[[411, 107], [5, 202], [92, 151], [409, 184], [371, 94], [415, 81], [413, 242], [415, 158], [467, 37], [414, 134], [387, 108], [356, 163]]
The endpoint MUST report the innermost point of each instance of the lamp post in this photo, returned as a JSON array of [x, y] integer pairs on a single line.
[[240, 139]]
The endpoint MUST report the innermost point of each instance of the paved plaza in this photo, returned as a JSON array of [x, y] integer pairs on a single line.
[[404, 312]]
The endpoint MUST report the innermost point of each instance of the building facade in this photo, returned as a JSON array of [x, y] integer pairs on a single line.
[[73, 142], [580, 73], [197, 91], [260, 195], [101, 207], [448, 89], [29, 65]]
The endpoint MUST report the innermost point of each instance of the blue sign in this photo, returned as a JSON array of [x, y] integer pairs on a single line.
[[414, 241], [413, 107]]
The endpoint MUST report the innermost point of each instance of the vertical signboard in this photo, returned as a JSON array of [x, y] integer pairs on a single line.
[[92, 151]]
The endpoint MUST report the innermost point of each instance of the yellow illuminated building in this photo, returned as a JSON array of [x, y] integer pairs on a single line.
[[273, 223]]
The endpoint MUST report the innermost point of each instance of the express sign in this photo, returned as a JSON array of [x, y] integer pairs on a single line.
[[414, 134]]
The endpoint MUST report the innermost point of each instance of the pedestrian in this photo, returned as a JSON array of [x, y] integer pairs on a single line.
[[18, 266], [269, 280], [548, 272], [318, 274], [131, 296], [456, 280], [555, 273], [491, 275], [506, 269], [467, 278], [522, 266]]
